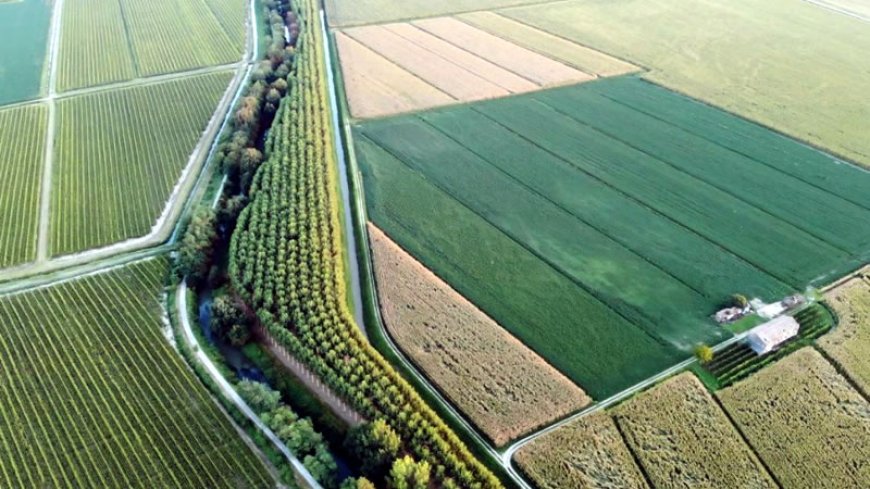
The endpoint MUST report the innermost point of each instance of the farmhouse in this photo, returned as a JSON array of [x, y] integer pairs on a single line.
[[763, 339]]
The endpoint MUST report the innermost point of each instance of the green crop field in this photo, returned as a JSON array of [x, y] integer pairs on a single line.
[[119, 154], [788, 64], [105, 41], [22, 143], [578, 182], [93, 395], [231, 14], [94, 49], [23, 43], [356, 12], [175, 35]]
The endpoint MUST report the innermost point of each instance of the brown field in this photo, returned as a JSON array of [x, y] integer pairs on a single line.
[[377, 87], [403, 67], [586, 453], [529, 64], [573, 54], [849, 344], [431, 68], [501, 385], [682, 438], [806, 421]]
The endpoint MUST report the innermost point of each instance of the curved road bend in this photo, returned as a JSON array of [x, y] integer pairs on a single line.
[[230, 393]]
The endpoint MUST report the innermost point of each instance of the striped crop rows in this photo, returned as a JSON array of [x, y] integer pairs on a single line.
[[190, 36], [94, 48], [22, 142], [231, 15], [93, 396], [119, 155]]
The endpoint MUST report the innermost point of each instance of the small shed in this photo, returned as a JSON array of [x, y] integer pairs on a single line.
[[765, 338]]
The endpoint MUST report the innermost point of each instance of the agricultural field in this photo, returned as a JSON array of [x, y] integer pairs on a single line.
[[404, 67], [94, 396], [586, 453], [681, 437], [22, 144], [794, 66], [357, 12], [806, 421], [569, 176], [119, 154], [105, 41], [176, 35], [501, 385], [94, 48], [23, 43], [849, 344]]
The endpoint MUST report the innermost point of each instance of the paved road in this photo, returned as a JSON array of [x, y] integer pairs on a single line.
[[230, 393]]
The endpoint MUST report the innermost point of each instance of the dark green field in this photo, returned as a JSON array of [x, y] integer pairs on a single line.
[[603, 223]]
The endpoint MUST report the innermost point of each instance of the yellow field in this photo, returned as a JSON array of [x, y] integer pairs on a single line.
[[505, 388]]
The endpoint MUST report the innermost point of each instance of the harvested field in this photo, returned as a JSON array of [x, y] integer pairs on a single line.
[[458, 82], [376, 87], [405, 67], [849, 344], [587, 453], [573, 54], [683, 439], [357, 12], [804, 419], [504, 387], [540, 69], [742, 55]]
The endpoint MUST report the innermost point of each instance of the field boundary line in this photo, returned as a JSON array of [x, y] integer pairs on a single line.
[[699, 134], [230, 393], [719, 187], [133, 57], [842, 11], [48, 155], [559, 206], [631, 451], [746, 441]]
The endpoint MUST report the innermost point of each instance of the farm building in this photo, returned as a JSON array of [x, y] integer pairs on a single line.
[[763, 339]]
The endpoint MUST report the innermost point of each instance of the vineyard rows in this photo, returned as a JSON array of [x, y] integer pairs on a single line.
[[94, 49], [285, 261], [22, 140], [105, 41], [94, 396], [190, 36], [120, 153]]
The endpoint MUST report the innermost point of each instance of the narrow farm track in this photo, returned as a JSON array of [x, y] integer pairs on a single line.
[[230, 393], [842, 11]]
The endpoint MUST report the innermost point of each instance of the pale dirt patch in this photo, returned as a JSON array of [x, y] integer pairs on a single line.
[[581, 57], [441, 73], [528, 64], [682, 438], [588, 452], [810, 426], [475, 64], [377, 87], [849, 344], [499, 383]]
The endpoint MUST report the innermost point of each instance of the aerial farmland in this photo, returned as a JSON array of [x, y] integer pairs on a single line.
[[478, 244]]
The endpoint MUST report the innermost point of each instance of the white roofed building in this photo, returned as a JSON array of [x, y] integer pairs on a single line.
[[765, 338]]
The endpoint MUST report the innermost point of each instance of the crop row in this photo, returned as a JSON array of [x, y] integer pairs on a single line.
[[94, 49], [189, 33], [231, 15], [120, 153], [93, 395], [286, 263], [22, 139]]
